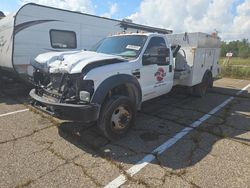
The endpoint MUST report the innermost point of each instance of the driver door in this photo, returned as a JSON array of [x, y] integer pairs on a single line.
[[156, 72]]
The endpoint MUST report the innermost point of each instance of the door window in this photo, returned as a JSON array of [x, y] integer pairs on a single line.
[[154, 53]]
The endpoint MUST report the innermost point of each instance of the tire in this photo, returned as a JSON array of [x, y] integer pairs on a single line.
[[200, 90], [190, 91], [116, 117], [211, 81]]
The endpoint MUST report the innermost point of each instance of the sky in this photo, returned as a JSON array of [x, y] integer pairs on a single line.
[[231, 18]]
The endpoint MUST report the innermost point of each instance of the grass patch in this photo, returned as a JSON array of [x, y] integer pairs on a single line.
[[236, 61], [235, 68], [239, 72]]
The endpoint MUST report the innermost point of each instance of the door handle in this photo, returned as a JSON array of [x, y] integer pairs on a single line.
[[170, 68], [136, 73]]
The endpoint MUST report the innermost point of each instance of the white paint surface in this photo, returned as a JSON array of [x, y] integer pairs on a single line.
[[15, 112]]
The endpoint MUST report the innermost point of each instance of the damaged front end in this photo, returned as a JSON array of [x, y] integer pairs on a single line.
[[65, 95]]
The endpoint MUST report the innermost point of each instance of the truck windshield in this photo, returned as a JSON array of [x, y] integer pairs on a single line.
[[125, 46]]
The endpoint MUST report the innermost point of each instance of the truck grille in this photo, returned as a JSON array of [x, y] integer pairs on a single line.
[[56, 81]]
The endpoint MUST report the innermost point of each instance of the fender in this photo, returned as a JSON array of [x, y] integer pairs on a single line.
[[113, 81], [207, 72]]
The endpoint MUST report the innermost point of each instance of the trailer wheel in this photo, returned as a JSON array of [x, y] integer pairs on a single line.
[[116, 117]]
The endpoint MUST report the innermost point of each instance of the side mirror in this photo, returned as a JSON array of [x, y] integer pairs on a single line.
[[157, 55]]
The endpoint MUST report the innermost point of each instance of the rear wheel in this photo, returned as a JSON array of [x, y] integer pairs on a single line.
[[116, 117], [211, 81], [200, 90]]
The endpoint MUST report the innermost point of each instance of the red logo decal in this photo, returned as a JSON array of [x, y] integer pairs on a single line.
[[160, 74]]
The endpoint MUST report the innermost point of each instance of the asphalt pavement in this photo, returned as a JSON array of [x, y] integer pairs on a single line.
[[177, 141]]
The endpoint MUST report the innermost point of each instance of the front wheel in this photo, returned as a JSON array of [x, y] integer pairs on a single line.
[[116, 117]]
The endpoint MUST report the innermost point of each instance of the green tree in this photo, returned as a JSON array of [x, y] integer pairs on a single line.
[[224, 49], [238, 48], [244, 49]]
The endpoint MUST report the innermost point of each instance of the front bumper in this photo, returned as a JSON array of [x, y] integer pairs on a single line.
[[86, 113]]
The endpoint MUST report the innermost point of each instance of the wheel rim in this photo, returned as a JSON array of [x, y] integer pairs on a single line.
[[120, 118]]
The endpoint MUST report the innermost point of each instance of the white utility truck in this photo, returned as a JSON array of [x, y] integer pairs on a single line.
[[109, 83], [36, 29]]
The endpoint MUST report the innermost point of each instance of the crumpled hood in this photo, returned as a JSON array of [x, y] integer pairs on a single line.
[[71, 61]]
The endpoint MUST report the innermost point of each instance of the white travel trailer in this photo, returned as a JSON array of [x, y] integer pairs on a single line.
[[35, 29]]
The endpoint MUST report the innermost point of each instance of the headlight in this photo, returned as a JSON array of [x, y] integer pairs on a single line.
[[84, 96], [85, 89]]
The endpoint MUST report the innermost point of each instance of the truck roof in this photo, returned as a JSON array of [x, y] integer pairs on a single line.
[[139, 34]]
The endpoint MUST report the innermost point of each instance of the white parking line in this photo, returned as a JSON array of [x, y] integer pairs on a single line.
[[15, 112], [120, 180]]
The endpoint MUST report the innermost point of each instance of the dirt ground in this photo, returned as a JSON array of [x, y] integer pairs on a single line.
[[37, 150]]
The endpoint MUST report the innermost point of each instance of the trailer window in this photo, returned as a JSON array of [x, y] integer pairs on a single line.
[[63, 39]]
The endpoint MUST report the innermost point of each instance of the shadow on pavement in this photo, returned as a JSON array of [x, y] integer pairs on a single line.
[[13, 92], [156, 124]]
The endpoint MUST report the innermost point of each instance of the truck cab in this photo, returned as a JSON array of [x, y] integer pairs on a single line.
[[148, 59]]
